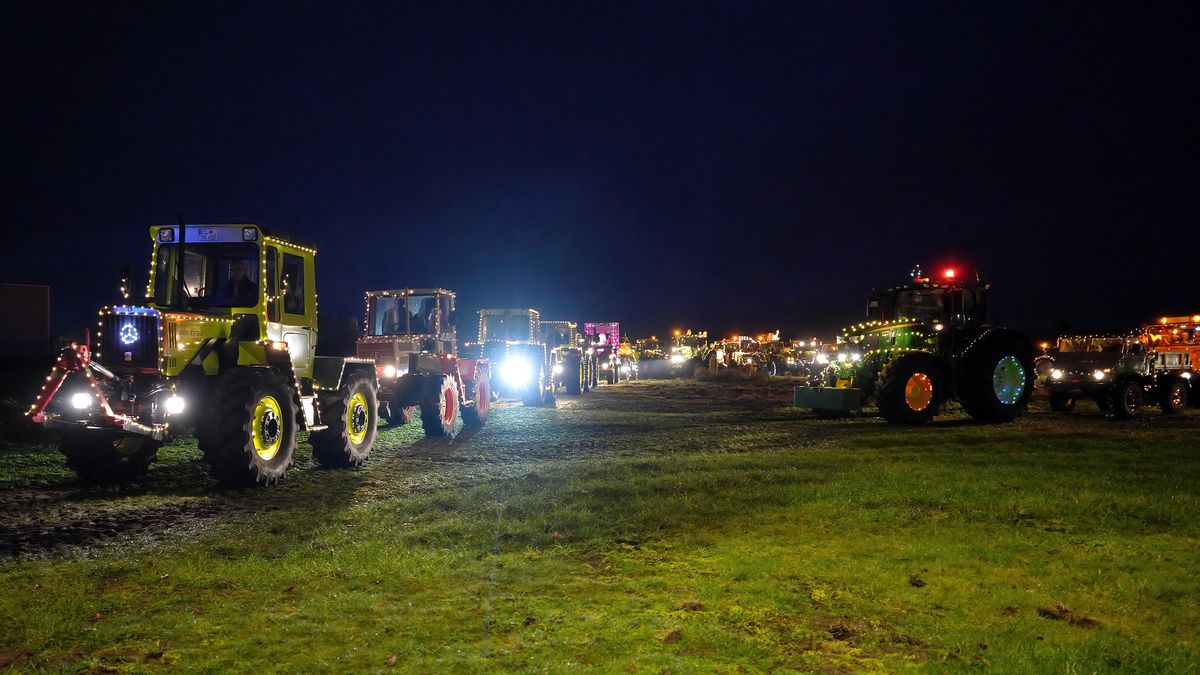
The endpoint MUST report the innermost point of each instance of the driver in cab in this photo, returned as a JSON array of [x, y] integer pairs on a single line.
[[239, 289]]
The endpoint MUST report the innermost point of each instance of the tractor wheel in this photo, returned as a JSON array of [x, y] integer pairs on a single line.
[[1173, 395], [1061, 402], [771, 368], [1126, 398], [573, 375], [997, 380], [398, 416], [352, 415], [534, 393], [911, 390], [250, 434], [476, 414], [439, 405], [102, 458]]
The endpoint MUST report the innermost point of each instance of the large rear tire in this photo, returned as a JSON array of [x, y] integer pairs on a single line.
[[439, 405], [352, 416], [574, 375], [103, 458], [476, 414], [1173, 395], [534, 392], [998, 380], [250, 434], [911, 390]]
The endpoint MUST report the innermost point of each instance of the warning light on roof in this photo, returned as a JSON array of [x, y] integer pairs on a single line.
[[948, 273]]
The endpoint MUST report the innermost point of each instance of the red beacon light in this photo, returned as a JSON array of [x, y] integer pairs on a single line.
[[949, 273]]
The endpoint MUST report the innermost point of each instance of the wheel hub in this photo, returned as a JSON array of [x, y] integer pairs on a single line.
[[918, 392], [357, 418], [1008, 380], [268, 427]]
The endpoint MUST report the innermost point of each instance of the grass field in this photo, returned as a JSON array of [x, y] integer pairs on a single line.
[[678, 526]]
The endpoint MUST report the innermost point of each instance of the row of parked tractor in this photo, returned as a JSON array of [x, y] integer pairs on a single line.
[[225, 347]]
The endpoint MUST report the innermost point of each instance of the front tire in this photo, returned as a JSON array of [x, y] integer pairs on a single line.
[[574, 375], [1126, 398], [1173, 395], [352, 416], [102, 458], [534, 393], [911, 390], [439, 405], [476, 414], [250, 435]]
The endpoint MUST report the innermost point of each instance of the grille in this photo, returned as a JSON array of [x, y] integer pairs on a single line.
[[130, 341]]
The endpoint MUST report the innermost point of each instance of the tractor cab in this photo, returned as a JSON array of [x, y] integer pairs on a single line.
[[407, 321], [947, 299]]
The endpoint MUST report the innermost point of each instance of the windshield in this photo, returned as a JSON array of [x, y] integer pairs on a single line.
[[213, 275], [414, 314], [509, 327], [924, 304]]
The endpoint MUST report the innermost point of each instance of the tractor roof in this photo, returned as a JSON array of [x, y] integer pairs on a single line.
[[199, 233], [396, 292]]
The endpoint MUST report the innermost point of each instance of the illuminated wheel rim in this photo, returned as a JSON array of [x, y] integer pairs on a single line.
[[357, 417], [918, 392], [1131, 398], [268, 428], [1008, 380], [1176, 396], [448, 407]]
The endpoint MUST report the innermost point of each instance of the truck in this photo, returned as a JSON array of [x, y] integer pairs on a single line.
[[410, 335], [1118, 372], [923, 344], [512, 339], [225, 347]]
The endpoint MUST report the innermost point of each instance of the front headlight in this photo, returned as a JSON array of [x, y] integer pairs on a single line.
[[822, 358], [389, 371], [625, 369], [1056, 374], [1098, 374], [558, 369], [1187, 375], [677, 358], [516, 371], [842, 357], [174, 404], [81, 400]]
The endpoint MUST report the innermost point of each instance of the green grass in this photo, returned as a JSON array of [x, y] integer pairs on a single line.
[[672, 526]]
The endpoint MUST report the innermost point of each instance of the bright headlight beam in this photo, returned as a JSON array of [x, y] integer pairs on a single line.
[[175, 404], [81, 400]]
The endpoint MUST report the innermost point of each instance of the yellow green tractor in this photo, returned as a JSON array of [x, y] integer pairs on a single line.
[[225, 348]]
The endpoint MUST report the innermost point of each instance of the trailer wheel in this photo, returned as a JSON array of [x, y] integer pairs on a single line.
[[250, 434], [352, 415], [102, 458], [1126, 398], [998, 380], [911, 390], [573, 375], [476, 415], [1061, 402], [439, 405], [1173, 395]]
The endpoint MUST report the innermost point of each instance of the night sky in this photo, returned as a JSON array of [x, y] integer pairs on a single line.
[[739, 167]]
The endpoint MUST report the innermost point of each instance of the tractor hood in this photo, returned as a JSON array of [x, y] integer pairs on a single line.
[[1086, 361]]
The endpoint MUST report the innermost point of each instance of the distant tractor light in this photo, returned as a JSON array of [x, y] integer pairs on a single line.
[[1056, 374], [949, 273], [558, 369], [822, 358], [175, 404], [842, 357], [389, 371], [516, 371], [1098, 375], [938, 326], [1187, 375], [855, 357], [677, 359], [625, 369], [81, 400]]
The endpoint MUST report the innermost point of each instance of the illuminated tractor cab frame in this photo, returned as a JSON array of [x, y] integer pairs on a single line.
[[1120, 373], [524, 370], [411, 336], [924, 344], [603, 338], [573, 367], [225, 347]]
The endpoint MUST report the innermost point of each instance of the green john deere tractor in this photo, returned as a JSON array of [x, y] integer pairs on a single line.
[[225, 347], [924, 344]]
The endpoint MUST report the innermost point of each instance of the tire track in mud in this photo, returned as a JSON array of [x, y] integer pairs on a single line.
[[181, 497]]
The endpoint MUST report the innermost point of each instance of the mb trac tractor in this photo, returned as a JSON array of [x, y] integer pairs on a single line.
[[226, 344], [512, 339], [1117, 372], [924, 343], [574, 367], [410, 335]]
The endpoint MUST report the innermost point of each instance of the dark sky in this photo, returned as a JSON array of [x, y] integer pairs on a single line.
[[733, 166]]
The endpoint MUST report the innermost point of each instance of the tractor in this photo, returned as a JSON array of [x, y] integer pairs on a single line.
[[604, 340], [1176, 340], [574, 367], [411, 337], [923, 344], [1118, 372], [225, 346], [512, 339]]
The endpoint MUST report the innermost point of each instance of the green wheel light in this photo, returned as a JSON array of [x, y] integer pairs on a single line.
[[1008, 380]]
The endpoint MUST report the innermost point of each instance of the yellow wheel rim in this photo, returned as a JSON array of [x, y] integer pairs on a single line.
[[357, 418], [918, 393], [268, 428]]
